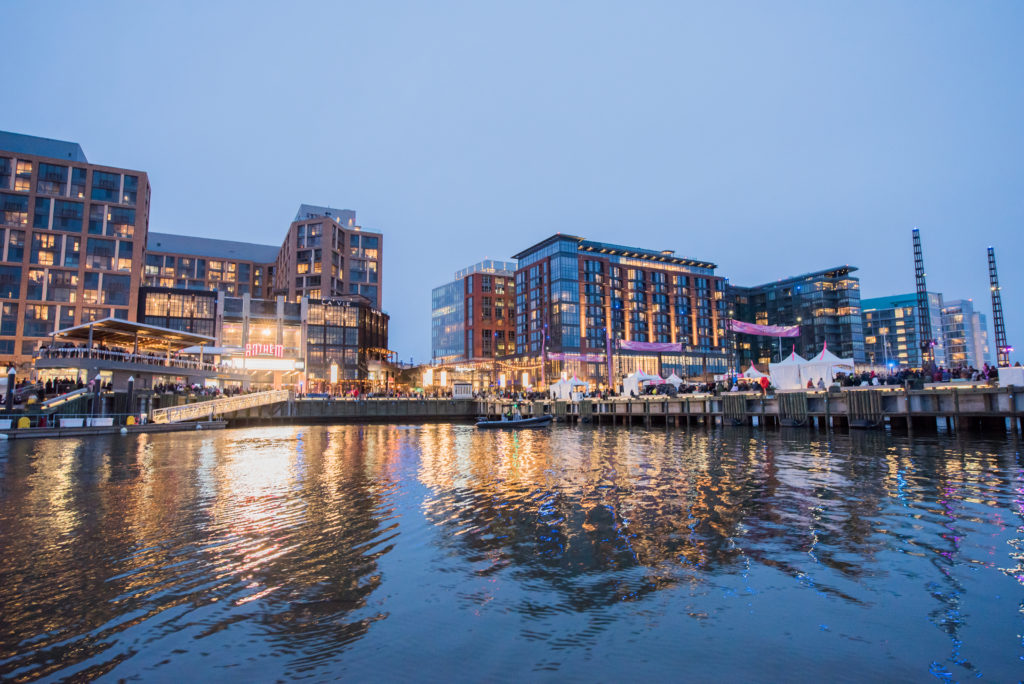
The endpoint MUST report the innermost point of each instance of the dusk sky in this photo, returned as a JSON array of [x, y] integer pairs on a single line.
[[770, 138]]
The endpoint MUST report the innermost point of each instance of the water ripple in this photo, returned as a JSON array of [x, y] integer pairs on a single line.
[[582, 553]]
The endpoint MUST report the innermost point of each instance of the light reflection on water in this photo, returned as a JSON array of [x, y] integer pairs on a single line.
[[582, 553]]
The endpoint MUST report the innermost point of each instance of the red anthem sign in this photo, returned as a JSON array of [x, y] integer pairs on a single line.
[[264, 350]]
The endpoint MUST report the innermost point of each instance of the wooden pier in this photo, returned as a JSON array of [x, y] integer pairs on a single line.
[[958, 407]]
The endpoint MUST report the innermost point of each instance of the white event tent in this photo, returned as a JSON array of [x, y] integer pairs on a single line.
[[674, 380], [752, 373], [824, 366], [631, 383], [786, 374], [563, 389]]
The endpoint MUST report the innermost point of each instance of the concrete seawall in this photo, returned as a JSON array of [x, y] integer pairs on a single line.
[[978, 408]]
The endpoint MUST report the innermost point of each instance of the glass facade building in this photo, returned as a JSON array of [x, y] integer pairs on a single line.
[[825, 304], [892, 334], [473, 317], [177, 309], [448, 322], [578, 299], [965, 332]]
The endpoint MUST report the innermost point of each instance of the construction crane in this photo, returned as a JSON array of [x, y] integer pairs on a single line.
[[924, 319], [1002, 348]]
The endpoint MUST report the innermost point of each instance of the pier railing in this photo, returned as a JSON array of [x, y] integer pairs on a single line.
[[217, 407]]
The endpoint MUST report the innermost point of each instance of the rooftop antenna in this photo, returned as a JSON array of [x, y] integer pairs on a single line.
[[1002, 348], [924, 319]]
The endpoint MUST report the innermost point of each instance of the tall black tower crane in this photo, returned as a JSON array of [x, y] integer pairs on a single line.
[[1003, 349], [924, 319]]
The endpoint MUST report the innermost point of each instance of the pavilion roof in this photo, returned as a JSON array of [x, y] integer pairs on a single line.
[[116, 331]]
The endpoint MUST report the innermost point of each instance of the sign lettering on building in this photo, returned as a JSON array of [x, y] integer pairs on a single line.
[[259, 349]]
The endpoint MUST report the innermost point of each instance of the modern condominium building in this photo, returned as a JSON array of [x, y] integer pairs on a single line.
[[825, 304], [891, 330], [594, 310], [965, 332], [195, 263], [73, 236], [325, 254], [473, 316]]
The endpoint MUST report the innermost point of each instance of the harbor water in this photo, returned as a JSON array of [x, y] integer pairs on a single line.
[[443, 553]]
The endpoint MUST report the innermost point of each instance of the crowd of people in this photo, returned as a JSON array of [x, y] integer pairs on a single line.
[[102, 351]]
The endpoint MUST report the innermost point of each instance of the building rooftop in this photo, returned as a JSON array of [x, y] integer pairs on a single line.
[[308, 211], [666, 255], [835, 272], [209, 247], [42, 147], [507, 268], [891, 301]]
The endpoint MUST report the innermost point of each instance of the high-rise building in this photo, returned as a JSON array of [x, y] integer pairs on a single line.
[[891, 330], [578, 299], [473, 316], [73, 237], [325, 254], [825, 304], [965, 332]]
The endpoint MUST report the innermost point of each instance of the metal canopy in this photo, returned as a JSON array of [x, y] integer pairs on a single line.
[[116, 331]]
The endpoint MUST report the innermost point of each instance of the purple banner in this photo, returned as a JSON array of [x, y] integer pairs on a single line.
[[583, 358], [650, 346], [765, 330]]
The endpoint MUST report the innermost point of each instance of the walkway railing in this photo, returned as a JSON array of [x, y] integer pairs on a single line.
[[127, 357], [216, 407]]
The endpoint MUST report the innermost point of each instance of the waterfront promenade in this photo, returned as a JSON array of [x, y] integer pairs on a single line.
[[959, 407]]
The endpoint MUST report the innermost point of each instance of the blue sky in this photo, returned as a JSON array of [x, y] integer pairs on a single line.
[[771, 138]]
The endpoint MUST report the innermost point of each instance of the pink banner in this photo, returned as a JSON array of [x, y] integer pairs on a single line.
[[765, 330], [583, 358], [650, 346]]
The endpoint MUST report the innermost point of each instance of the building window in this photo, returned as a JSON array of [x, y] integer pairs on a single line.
[[124, 255], [77, 183], [121, 222], [45, 249], [23, 176], [14, 209], [62, 286], [15, 245], [5, 173], [38, 320], [90, 314], [52, 179], [99, 254], [131, 190], [68, 216], [36, 278], [10, 282], [41, 216], [91, 288], [106, 187], [67, 317], [9, 319], [116, 289], [97, 216]]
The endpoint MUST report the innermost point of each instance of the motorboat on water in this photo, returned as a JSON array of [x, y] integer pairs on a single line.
[[525, 422]]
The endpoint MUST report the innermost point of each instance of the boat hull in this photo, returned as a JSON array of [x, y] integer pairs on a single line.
[[539, 421]]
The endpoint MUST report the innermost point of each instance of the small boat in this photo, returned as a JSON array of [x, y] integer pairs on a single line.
[[535, 421]]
